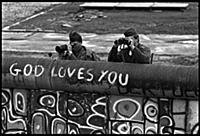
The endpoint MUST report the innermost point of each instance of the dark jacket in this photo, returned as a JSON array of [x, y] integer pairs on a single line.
[[81, 53], [140, 54]]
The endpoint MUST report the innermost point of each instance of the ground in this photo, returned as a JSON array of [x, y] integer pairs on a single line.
[[65, 17], [116, 21]]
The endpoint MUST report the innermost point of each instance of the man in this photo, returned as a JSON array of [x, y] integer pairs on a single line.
[[129, 49], [75, 50]]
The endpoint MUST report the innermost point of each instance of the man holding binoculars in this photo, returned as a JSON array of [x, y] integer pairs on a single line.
[[128, 49], [75, 50]]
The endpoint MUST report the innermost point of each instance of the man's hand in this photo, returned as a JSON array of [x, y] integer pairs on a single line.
[[131, 43], [69, 49], [116, 43]]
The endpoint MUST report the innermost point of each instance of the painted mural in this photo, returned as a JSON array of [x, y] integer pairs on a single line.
[[59, 112]]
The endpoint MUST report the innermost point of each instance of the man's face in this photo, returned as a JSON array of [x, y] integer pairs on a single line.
[[75, 43], [134, 39]]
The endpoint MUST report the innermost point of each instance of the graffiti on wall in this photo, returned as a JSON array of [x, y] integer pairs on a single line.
[[81, 73], [107, 79], [58, 112]]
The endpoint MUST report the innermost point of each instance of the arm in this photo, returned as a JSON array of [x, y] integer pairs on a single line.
[[142, 54], [112, 56], [72, 56], [82, 55], [78, 53]]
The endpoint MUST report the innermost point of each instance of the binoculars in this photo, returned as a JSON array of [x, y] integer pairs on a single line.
[[121, 41], [61, 48]]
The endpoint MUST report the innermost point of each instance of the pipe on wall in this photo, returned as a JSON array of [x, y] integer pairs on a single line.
[[152, 80]]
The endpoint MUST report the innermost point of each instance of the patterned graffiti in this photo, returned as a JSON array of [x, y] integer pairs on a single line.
[[93, 118], [13, 113], [58, 112]]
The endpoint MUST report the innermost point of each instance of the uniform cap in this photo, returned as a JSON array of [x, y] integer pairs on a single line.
[[130, 32], [75, 37]]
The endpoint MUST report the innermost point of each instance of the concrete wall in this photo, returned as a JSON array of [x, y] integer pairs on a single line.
[[59, 112], [36, 101]]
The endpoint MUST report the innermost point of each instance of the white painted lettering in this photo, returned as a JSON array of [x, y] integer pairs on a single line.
[[59, 72], [70, 74], [112, 81], [90, 74], [120, 79], [36, 70], [30, 69], [15, 70], [80, 73], [103, 73], [52, 73]]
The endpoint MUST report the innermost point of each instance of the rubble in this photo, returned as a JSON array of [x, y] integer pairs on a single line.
[[87, 15]]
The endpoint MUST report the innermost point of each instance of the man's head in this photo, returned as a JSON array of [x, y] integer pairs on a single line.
[[132, 34], [75, 37]]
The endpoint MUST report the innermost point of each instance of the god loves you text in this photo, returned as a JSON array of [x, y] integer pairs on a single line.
[[37, 70]]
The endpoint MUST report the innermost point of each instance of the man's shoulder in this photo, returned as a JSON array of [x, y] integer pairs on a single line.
[[142, 46], [87, 51], [83, 47], [91, 55]]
